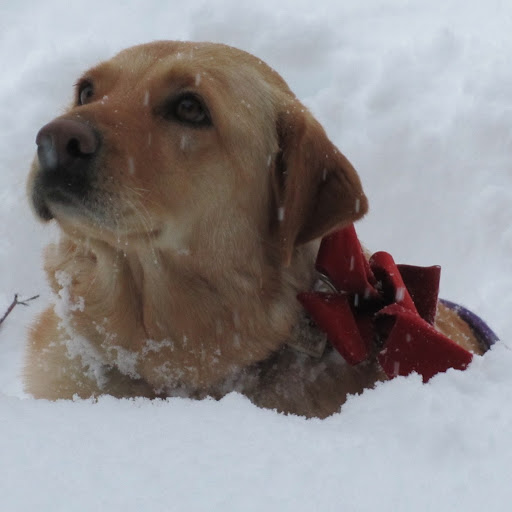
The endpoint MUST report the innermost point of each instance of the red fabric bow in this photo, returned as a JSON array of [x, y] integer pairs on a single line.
[[382, 307]]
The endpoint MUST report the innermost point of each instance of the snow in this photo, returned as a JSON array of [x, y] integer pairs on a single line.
[[418, 95]]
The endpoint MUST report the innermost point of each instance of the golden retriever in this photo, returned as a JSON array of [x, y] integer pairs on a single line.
[[190, 186]]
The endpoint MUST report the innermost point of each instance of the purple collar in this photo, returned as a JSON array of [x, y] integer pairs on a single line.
[[481, 330]]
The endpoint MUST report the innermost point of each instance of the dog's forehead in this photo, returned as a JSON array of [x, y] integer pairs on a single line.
[[165, 60]]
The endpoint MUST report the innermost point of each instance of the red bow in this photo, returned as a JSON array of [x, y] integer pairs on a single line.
[[381, 307]]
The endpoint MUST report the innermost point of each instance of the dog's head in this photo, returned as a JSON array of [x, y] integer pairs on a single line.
[[169, 140]]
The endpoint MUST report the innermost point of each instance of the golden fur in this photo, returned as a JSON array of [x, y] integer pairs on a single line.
[[183, 281]]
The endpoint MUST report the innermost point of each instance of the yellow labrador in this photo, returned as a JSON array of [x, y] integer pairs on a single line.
[[190, 185]]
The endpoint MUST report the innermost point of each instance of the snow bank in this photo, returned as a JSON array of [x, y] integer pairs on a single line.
[[404, 446], [419, 97]]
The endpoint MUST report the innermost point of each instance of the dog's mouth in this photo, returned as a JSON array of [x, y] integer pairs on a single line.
[[91, 210], [48, 201], [41, 207], [53, 194]]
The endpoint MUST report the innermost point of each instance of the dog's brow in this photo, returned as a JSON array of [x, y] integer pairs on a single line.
[[181, 76], [82, 80], [102, 72]]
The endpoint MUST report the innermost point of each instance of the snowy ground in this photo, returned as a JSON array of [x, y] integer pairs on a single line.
[[419, 96]]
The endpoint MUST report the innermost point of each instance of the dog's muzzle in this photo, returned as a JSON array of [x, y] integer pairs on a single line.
[[66, 149]]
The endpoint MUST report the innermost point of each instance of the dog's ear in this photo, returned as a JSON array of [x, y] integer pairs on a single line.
[[315, 187]]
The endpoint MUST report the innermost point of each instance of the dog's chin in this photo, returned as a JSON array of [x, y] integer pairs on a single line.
[[56, 204], [81, 222], [51, 198]]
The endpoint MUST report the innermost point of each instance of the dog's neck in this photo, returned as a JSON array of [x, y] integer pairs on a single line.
[[210, 318]]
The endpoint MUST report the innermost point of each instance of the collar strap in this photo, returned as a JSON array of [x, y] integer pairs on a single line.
[[379, 309]]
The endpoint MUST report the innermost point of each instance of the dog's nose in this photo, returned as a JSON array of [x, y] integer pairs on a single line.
[[65, 144]]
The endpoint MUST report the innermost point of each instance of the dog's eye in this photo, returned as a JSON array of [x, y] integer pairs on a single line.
[[85, 93], [190, 109]]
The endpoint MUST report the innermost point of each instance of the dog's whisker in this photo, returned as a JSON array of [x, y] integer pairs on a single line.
[[136, 190]]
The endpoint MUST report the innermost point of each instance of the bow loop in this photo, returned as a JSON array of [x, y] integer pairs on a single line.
[[341, 259]]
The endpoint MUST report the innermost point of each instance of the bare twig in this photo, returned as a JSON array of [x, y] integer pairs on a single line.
[[15, 303]]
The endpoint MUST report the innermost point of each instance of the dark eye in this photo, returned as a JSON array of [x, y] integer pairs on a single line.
[[85, 93], [190, 109]]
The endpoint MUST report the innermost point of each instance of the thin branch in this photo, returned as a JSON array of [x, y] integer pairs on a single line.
[[15, 303]]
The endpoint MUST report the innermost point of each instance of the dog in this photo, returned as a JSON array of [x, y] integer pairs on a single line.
[[191, 188]]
